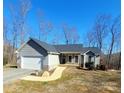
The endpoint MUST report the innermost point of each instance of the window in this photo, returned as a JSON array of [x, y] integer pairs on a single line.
[[76, 59], [70, 57]]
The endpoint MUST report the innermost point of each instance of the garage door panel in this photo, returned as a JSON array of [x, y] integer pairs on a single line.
[[32, 63]]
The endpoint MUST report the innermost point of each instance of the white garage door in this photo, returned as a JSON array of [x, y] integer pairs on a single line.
[[34, 63]]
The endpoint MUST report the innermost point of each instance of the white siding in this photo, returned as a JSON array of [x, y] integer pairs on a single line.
[[79, 59], [45, 63], [53, 61], [30, 54], [97, 60], [85, 59], [92, 59], [27, 50]]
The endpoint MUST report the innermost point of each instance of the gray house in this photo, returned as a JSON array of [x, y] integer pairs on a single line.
[[38, 55]]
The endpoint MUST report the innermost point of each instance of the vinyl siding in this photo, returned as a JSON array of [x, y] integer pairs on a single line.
[[97, 60], [85, 58], [32, 49], [53, 61], [45, 63]]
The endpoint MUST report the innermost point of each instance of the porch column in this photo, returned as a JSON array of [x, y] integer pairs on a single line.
[[94, 61], [79, 59], [73, 59], [84, 60], [66, 58]]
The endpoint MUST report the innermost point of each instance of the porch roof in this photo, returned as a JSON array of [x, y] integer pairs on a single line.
[[95, 50]]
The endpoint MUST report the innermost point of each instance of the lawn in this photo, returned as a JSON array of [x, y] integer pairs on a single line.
[[73, 80]]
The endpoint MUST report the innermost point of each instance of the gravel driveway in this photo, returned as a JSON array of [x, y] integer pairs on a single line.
[[14, 73]]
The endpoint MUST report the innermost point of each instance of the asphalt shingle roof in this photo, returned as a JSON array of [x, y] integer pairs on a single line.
[[66, 48], [95, 50], [69, 48], [48, 47]]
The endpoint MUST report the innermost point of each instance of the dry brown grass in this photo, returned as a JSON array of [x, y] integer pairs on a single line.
[[73, 80]]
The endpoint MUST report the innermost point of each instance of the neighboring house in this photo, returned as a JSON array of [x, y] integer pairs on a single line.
[[38, 55]]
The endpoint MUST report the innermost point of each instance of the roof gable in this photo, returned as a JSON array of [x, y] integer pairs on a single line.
[[47, 47], [95, 50]]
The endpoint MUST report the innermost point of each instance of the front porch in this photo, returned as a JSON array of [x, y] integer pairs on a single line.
[[78, 58], [73, 58], [87, 58]]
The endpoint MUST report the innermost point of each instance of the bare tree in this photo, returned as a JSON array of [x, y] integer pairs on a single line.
[[65, 30], [8, 47], [19, 17], [16, 29], [91, 39], [24, 8], [5, 49], [41, 23], [49, 28], [101, 32], [119, 64], [100, 29], [44, 27], [5, 30], [75, 37], [11, 45], [115, 34], [56, 38], [70, 34]]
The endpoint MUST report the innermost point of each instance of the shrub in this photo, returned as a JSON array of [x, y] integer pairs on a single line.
[[103, 67], [97, 67], [90, 65]]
